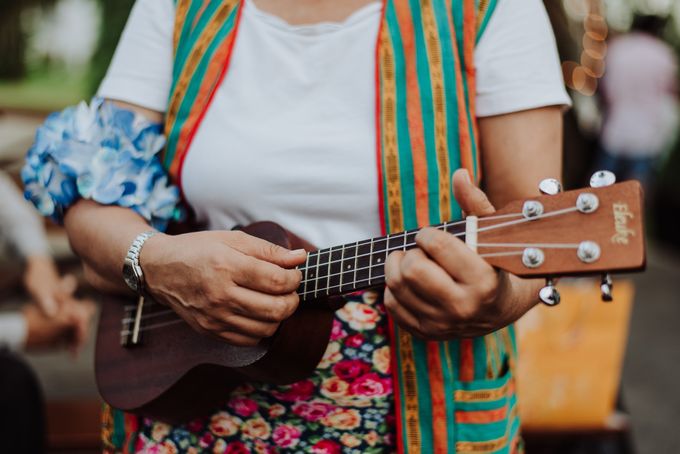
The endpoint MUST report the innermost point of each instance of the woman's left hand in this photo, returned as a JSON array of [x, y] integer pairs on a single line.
[[47, 288], [443, 290]]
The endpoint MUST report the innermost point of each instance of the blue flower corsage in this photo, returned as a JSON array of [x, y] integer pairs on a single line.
[[104, 153]]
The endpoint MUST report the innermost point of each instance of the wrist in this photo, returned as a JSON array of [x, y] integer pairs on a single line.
[[133, 275], [151, 258], [43, 264], [516, 296], [40, 272]]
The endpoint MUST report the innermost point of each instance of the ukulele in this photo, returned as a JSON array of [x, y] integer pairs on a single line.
[[149, 361]]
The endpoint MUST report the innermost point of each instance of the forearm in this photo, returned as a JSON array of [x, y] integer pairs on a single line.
[[20, 223], [518, 151], [101, 235]]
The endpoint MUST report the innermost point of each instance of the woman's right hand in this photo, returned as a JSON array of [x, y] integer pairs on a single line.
[[224, 283]]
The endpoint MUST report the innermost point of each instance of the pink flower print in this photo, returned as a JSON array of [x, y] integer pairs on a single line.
[[337, 332], [286, 436], [276, 410], [195, 425], [371, 385], [206, 440], [301, 390], [236, 447], [312, 411], [355, 340], [326, 447], [243, 406], [349, 369]]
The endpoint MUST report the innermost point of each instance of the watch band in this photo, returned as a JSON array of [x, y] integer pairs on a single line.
[[132, 270]]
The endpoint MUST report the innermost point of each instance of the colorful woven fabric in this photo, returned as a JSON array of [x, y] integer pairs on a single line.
[[455, 396]]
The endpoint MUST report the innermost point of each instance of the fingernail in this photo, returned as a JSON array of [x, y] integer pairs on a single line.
[[298, 252], [467, 176]]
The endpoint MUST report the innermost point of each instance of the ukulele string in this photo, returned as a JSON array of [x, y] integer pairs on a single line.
[[505, 224], [485, 255], [403, 247], [488, 245], [440, 227], [171, 312]]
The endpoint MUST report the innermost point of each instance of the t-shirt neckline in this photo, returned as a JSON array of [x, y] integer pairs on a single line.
[[314, 29]]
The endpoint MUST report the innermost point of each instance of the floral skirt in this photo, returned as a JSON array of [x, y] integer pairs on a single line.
[[346, 406]]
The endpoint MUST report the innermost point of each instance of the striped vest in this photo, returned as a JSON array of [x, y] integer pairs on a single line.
[[454, 396]]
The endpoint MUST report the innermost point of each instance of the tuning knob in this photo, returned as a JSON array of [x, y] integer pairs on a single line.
[[550, 186], [549, 295], [602, 178], [606, 287]]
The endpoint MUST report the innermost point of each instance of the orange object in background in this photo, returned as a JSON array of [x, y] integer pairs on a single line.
[[571, 358]]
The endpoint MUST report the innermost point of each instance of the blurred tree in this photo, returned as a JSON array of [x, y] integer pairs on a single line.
[[114, 17], [12, 37]]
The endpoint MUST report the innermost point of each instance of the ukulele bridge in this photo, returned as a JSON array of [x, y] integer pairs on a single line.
[[130, 334]]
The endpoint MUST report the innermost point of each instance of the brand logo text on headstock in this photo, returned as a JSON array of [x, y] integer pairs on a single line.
[[621, 216]]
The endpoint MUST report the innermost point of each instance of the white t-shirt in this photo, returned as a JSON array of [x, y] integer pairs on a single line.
[[290, 134]]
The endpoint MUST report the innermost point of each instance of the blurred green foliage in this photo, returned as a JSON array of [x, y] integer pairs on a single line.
[[114, 15], [13, 38]]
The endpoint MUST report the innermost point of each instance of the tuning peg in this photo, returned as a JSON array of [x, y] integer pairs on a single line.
[[549, 295], [602, 178], [606, 287], [550, 186]]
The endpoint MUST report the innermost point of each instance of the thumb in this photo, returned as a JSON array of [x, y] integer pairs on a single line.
[[270, 252], [47, 303], [472, 200], [68, 284]]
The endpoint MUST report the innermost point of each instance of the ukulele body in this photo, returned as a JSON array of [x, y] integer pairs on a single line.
[[175, 373]]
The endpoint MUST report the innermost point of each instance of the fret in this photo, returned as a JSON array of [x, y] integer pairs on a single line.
[[370, 261], [347, 272], [410, 239], [302, 288], [356, 256], [379, 251], [363, 262], [394, 243], [342, 267], [455, 229], [334, 270], [322, 265], [309, 276]]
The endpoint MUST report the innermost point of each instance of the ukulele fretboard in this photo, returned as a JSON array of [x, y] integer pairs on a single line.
[[339, 270]]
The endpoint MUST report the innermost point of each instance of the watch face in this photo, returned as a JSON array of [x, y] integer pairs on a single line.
[[129, 275]]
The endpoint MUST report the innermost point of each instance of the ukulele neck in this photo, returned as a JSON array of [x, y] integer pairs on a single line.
[[348, 268]]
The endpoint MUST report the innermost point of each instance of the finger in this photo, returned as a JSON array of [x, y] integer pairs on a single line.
[[428, 285], [239, 340], [404, 318], [239, 325], [80, 331], [270, 252], [48, 304], [68, 284], [472, 200], [262, 276], [454, 256], [262, 306]]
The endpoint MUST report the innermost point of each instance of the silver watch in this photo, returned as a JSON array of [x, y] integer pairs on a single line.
[[132, 271]]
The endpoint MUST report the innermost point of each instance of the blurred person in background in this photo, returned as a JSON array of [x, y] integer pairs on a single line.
[[55, 318], [640, 102]]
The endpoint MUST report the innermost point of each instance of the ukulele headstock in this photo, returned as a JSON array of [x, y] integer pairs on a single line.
[[592, 230]]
